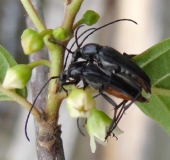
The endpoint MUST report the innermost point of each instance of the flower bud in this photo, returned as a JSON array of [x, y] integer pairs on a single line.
[[27, 32], [31, 41], [90, 17], [79, 103], [17, 77], [97, 124], [60, 33]]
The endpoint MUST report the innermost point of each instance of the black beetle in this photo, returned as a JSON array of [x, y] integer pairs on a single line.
[[125, 88], [114, 73], [93, 76], [110, 59]]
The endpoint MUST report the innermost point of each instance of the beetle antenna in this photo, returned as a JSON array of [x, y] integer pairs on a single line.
[[76, 37], [55, 42], [119, 20], [76, 41], [68, 50], [74, 44], [81, 36], [26, 122]]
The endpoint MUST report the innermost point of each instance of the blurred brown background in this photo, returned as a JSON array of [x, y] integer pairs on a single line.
[[143, 139]]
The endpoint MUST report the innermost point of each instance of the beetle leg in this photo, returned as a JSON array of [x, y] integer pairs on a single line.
[[78, 126], [130, 56], [85, 84], [116, 117], [133, 100], [111, 101], [67, 83], [124, 108]]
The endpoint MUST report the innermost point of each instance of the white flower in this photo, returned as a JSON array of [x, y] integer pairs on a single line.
[[79, 103], [97, 124], [17, 77]]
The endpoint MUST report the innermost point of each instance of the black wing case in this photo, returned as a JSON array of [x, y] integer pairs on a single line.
[[92, 74], [112, 56]]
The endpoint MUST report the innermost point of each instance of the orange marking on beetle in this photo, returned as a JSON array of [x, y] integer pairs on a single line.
[[118, 94]]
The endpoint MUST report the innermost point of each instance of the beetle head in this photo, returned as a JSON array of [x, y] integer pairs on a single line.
[[75, 69], [63, 77], [76, 55]]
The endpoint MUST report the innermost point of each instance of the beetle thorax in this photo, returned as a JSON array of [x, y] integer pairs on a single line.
[[90, 51], [76, 55]]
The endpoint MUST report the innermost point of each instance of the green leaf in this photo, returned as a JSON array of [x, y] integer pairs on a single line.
[[156, 63], [7, 61]]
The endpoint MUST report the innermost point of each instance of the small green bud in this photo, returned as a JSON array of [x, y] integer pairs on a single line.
[[60, 33], [90, 17], [31, 41], [27, 32], [79, 103], [97, 124], [17, 77]]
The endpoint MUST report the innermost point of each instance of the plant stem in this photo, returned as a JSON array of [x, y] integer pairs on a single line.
[[33, 15], [57, 58], [39, 62], [53, 101], [22, 101], [49, 127], [71, 11]]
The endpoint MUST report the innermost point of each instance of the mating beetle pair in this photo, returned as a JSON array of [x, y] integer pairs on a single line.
[[93, 76], [109, 71], [110, 60], [106, 70]]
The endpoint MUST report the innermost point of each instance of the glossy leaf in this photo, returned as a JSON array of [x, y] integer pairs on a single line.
[[156, 63], [7, 61]]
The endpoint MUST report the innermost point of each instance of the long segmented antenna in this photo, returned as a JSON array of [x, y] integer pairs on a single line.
[[76, 33], [81, 35], [74, 44], [95, 29], [55, 42], [26, 122], [119, 20]]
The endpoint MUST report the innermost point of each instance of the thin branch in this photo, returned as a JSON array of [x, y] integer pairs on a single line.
[[33, 14], [22, 101]]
